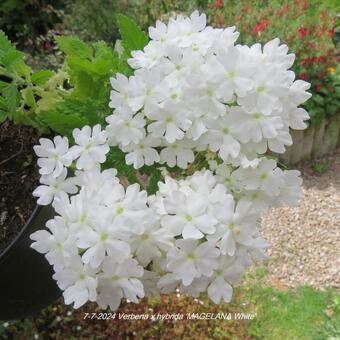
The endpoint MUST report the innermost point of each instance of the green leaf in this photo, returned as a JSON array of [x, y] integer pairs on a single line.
[[28, 96], [62, 123], [116, 159], [5, 44], [155, 177], [319, 99], [73, 46], [41, 77], [12, 97], [3, 116], [11, 58], [89, 109], [3, 84], [133, 37]]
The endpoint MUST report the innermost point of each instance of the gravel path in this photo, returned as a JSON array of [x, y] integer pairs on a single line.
[[306, 240]]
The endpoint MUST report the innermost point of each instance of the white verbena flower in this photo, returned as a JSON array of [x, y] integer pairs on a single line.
[[91, 146]]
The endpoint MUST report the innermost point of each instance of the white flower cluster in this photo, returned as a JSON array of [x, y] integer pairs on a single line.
[[199, 233], [214, 220], [194, 90]]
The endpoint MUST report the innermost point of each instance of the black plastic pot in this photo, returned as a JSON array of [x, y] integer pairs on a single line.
[[26, 284]]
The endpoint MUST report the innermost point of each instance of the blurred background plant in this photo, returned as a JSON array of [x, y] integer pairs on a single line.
[[310, 28]]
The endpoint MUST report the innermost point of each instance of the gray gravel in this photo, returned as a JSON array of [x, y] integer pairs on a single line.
[[306, 240]]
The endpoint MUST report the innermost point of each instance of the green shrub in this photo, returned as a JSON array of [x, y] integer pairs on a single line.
[[24, 20]]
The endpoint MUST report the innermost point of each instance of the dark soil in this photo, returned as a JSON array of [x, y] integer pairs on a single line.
[[18, 178]]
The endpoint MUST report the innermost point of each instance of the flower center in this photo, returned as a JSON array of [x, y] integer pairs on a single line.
[[231, 226], [255, 195], [257, 115], [210, 93], [219, 272], [263, 177], [188, 218], [145, 237], [82, 219], [191, 256], [115, 277], [59, 247], [104, 237], [260, 89], [226, 131], [231, 74], [120, 210]]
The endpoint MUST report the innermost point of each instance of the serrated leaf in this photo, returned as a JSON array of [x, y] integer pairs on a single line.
[[12, 97], [133, 38], [41, 77], [73, 46], [89, 109], [11, 58], [5, 44], [62, 123]]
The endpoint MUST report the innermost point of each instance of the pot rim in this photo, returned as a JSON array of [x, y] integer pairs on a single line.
[[7, 250]]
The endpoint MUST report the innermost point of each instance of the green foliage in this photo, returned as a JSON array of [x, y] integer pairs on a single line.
[[76, 95], [299, 314], [133, 37], [22, 20], [116, 159], [320, 167], [154, 176], [302, 313], [91, 20], [41, 77], [326, 96]]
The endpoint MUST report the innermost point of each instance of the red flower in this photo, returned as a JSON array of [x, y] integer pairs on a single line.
[[285, 8], [46, 45], [305, 5], [321, 74], [218, 4], [319, 87], [331, 32], [262, 25], [305, 61], [303, 76], [319, 59], [303, 32]]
